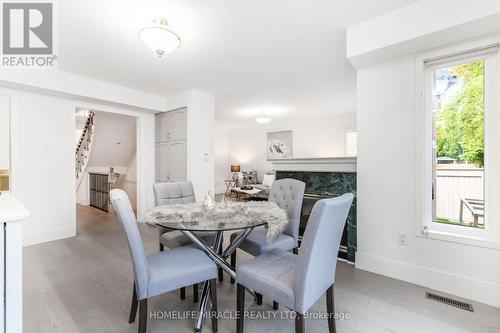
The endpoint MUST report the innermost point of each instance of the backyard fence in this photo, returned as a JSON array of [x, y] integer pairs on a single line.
[[453, 184]]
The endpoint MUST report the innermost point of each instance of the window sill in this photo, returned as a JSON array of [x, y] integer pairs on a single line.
[[460, 239]]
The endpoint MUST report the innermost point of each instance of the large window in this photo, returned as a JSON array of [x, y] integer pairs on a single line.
[[458, 144], [458, 168]]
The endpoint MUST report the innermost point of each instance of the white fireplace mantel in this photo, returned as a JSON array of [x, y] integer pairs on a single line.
[[322, 164]]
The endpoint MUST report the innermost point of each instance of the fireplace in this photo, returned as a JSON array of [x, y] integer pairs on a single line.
[[321, 185]]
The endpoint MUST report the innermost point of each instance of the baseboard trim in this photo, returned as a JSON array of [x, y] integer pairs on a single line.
[[476, 290], [48, 236]]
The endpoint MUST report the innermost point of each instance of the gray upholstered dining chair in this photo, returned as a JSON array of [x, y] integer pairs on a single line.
[[161, 272], [288, 194], [169, 193], [298, 281]]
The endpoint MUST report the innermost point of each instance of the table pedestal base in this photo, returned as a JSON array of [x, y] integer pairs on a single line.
[[220, 261]]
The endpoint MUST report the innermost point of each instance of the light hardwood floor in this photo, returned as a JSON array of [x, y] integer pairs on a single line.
[[84, 284]]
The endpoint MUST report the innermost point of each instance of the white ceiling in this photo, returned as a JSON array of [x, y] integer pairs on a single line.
[[285, 56]]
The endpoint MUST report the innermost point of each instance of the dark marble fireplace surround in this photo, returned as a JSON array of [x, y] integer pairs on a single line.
[[321, 185]]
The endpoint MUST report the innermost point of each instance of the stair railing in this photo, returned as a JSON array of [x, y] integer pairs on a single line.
[[82, 152]]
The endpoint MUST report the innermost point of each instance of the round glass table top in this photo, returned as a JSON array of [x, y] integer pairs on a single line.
[[196, 226], [218, 217]]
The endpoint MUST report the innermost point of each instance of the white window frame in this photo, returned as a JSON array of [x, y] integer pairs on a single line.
[[425, 227]]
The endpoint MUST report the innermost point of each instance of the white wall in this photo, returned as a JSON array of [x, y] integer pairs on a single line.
[[43, 164], [4, 132], [386, 194], [221, 146], [129, 182], [43, 130], [43, 105], [109, 130], [312, 137], [63, 84], [200, 138]]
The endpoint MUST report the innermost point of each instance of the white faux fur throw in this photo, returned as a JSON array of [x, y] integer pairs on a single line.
[[230, 212]]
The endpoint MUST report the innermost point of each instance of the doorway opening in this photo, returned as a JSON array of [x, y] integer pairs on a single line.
[[105, 158]]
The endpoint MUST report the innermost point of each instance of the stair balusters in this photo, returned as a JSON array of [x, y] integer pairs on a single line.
[[83, 147]]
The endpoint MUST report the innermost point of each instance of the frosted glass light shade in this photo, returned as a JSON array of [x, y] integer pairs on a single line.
[[263, 120], [160, 39]]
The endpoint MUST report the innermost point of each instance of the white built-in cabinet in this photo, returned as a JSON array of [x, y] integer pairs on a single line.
[[171, 145]]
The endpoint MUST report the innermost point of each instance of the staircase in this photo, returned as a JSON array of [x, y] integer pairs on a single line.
[[84, 147]]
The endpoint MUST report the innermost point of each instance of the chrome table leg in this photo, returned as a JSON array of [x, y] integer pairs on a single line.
[[236, 242], [220, 260], [203, 307], [205, 294]]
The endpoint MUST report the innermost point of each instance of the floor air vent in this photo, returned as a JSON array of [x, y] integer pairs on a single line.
[[449, 301]]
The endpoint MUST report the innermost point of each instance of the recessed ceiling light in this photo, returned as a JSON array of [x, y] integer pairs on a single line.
[[159, 37]]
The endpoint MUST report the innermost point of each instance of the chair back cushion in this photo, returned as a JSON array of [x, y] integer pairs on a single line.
[[169, 193], [317, 260], [288, 195], [268, 180], [127, 218]]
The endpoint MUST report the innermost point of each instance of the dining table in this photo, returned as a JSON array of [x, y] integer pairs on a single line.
[[190, 219]]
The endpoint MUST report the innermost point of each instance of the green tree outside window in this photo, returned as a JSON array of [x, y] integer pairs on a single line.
[[460, 125]]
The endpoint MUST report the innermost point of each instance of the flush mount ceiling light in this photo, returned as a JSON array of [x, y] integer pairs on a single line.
[[262, 114], [159, 37], [264, 119]]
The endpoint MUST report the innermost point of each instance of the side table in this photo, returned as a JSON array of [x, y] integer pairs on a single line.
[[229, 185]]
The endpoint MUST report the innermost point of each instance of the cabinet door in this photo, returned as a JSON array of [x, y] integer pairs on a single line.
[[162, 161], [162, 127], [177, 125], [178, 160]]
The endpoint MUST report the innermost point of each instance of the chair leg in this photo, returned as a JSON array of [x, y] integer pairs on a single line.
[[195, 292], [213, 299], [161, 247], [183, 293], [299, 323], [276, 305], [143, 315], [133, 307], [295, 250], [233, 263], [258, 298], [330, 308], [240, 308]]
